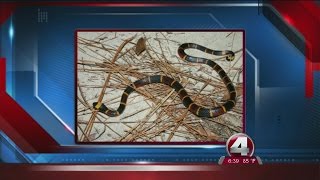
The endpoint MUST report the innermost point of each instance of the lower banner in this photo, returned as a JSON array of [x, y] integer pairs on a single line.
[[160, 171]]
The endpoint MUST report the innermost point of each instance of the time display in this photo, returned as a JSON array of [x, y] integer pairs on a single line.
[[240, 160]]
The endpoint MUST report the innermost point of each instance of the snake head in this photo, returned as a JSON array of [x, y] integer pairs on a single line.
[[99, 106], [230, 56], [95, 105]]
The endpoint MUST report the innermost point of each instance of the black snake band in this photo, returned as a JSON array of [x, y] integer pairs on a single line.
[[196, 109]]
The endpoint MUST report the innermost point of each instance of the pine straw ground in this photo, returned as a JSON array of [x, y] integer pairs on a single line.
[[107, 64]]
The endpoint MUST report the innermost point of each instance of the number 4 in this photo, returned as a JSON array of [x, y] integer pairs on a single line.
[[240, 146]]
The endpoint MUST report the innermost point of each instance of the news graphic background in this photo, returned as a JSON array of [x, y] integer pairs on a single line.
[[38, 46]]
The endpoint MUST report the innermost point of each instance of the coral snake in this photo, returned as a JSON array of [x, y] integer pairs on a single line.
[[196, 109]]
